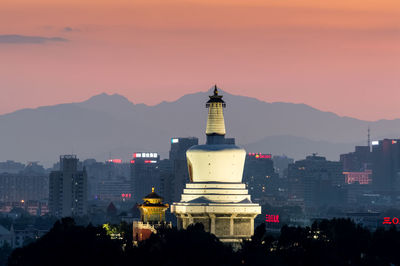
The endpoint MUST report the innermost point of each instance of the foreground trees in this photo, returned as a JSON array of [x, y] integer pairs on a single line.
[[69, 244], [182, 247], [334, 242], [328, 242]]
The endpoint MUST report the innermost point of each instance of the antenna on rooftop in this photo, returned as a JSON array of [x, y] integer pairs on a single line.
[[369, 137]]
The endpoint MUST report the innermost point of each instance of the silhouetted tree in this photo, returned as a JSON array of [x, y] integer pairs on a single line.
[[333, 242], [384, 249], [260, 249], [181, 247], [68, 244], [5, 251]]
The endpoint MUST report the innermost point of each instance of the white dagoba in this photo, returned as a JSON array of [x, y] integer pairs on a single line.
[[216, 196]]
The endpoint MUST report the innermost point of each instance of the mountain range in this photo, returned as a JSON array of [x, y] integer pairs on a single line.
[[107, 126]]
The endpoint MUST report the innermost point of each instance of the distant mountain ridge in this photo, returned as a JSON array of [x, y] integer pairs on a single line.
[[107, 124]]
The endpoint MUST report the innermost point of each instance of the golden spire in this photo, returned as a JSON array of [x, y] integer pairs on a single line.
[[152, 189], [215, 90]]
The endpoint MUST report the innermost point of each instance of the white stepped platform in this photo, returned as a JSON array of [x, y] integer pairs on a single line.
[[225, 209], [215, 193]]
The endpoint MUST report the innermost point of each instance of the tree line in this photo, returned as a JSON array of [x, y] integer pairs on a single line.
[[326, 242]]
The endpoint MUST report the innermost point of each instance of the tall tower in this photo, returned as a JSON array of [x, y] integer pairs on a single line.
[[215, 195]]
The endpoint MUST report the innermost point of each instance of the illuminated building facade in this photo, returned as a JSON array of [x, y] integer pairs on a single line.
[[357, 169], [152, 216], [152, 210], [362, 178], [215, 195], [68, 189], [145, 173]]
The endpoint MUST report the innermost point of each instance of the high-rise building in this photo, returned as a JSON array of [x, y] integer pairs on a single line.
[[68, 189], [11, 167], [357, 161], [215, 195], [386, 167], [22, 187], [30, 183], [357, 169], [108, 181], [281, 164], [145, 173], [317, 182], [259, 175], [179, 176], [165, 167]]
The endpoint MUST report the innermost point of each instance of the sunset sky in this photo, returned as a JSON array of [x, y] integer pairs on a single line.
[[335, 55]]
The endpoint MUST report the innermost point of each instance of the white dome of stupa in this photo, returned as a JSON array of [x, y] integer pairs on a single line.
[[216, 161]]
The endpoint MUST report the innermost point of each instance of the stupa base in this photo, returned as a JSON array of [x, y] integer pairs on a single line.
[[209, 204]]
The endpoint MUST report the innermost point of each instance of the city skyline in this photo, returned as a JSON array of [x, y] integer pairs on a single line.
[[195, 132], [338, 56]]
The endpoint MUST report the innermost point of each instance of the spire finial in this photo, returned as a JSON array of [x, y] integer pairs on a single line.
[[152, 189], [215, 90]]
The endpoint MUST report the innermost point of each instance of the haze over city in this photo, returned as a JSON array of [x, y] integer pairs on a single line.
[[339, 56]]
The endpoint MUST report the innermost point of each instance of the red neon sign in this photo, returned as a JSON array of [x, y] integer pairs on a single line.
[[387, 220], [115, 161], [272, 218], [260, 155], [132, 161]]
